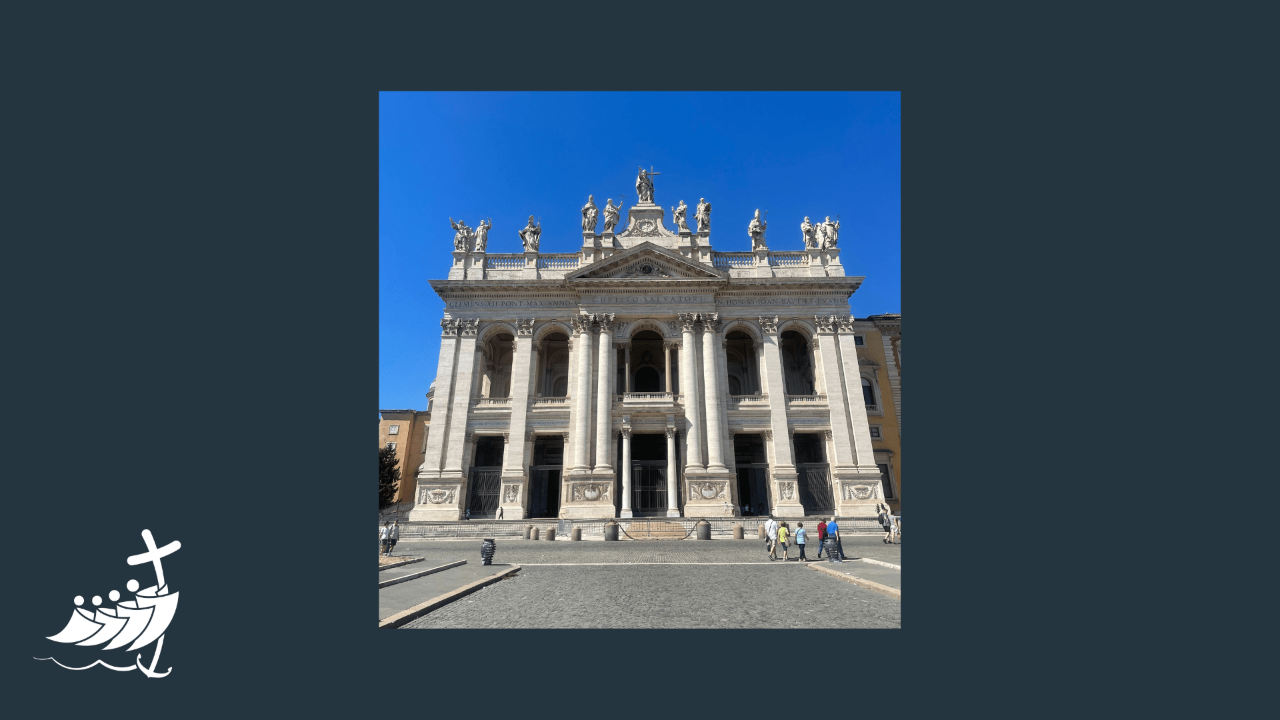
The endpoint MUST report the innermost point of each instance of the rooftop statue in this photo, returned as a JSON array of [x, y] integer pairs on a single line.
[[830, 231], [678, 214], [611, 214], [529, 235], [810, 235], [644, 186], [462, 236], [589, 215], [756, 231], [482, 234], [704, 215]]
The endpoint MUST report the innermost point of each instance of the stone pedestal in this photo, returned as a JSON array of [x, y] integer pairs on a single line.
[[815, 264], [763, 269], [834, 268], [857, 494], [590, 248], [512, 497], [459, 269], [438, 500], [608, 245], [786, 495], [687, 246], [530, 266], [706, 494], [589, 496]]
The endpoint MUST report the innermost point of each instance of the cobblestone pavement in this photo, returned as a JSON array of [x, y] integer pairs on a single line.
[[669, 596], [527, 552]]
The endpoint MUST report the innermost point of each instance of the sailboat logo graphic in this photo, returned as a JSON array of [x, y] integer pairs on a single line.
[[140, 621]]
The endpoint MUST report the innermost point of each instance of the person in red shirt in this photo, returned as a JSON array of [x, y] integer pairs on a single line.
[[822, 536]]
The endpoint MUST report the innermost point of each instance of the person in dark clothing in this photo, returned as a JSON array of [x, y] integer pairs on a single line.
[[822, 538]]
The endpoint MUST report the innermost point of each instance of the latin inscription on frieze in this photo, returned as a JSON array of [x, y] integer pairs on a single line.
[[648, 299], [510, 303], [748, 301]]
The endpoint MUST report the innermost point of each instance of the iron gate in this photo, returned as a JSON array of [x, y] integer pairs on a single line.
[[649, 486], [486, 482], [544, 491], [815, 489]]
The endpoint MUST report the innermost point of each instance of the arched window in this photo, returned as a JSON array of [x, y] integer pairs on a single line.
[[735, 386], [868, 395]]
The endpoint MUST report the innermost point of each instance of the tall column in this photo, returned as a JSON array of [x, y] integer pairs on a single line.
[[895, 381], [688, 386], [863, 455], [711, 393], [626, 473], [523, 366], [666, 351], [829, 355], [604, 393], [467, 360], [777, 391], [673, 505], [444, 390], [581, 412], [626, 350]]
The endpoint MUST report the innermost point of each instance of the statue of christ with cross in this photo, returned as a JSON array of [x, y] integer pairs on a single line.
[[644, 185], [153, 555]]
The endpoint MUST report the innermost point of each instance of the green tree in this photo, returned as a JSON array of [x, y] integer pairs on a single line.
[[388, 476]]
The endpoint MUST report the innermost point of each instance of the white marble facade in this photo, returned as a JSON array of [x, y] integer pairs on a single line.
[[696, 348]]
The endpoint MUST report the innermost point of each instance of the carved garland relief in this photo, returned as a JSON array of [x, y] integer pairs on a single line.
[[706, 490], [591, 492]]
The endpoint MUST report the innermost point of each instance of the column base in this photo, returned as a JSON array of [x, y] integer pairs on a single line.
[[673, 513], [626, 513], [590, 497], [706, 494], [858, 494]]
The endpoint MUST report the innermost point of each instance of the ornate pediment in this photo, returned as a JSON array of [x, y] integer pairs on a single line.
[[646, 261]]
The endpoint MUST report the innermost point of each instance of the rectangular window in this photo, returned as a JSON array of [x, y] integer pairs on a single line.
[[857, 340], [875, 432], [391, 446], [394, 430], [885, 482]]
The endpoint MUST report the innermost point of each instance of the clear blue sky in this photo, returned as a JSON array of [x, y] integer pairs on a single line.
[[510, 155]]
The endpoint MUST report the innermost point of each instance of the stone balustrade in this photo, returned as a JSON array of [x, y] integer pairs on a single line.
[[486, 402], [504, 261]]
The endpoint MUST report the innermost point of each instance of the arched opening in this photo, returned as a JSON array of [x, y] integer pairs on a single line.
[[647, 380], [741, 363], [499, 351], [797, 363], [553, 356], [868, 394], [648, 365]]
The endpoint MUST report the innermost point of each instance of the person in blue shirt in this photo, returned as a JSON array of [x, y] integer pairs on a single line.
[[833, 531], [800, 540]]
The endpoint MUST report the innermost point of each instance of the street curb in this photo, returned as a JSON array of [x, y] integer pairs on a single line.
[[405, 616], [396, 565], [414, 576], [891, 592], [881, 562]]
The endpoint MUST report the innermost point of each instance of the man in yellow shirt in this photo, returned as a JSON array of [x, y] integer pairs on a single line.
[[782, 540]]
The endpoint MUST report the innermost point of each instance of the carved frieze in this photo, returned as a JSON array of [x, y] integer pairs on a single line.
[[591, 492], [707, 491], [437, 495], [854, 491], [769, 324], [510, 494], [787, 490]]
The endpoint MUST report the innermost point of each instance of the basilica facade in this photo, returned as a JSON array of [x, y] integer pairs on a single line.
[[648, 375]]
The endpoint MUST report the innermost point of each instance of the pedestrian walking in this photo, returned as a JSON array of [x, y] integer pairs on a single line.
[[468, 513], [782, 540], [771, 531], [833, 531], [800, 540], [890, 527], [393, 537], [384, 537], [822, 537]]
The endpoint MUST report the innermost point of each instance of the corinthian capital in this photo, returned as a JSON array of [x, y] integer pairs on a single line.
[[605, 320], [826, 323], [448, 327], [710, 321], [582, 324], [769, 324], [845, 322], [687, 321], [524, 326]]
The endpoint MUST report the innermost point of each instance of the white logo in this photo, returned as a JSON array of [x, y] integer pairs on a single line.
[[141, 621]]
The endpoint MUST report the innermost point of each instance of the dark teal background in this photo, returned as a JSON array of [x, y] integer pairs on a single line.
[[190, 288]]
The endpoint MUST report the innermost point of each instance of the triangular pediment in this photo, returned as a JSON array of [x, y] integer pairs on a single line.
[[647, 261]]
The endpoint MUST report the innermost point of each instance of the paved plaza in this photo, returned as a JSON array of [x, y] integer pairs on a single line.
[[656, 584]]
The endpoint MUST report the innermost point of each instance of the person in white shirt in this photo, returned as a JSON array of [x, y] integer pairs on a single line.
[[384, 536], [771, 530], [393, 537]]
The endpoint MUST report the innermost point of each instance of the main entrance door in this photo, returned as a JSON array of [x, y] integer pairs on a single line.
[[485, 484], [544, 477], [649, 486], [649, 474]]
